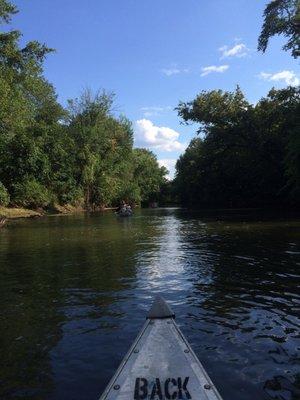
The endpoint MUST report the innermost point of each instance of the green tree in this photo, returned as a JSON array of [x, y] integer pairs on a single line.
[[282, 17], [104, 145], [31, 193], [148, 175], [83, 155], [4, 195], [29, 111], [247, 155], [189, 168]]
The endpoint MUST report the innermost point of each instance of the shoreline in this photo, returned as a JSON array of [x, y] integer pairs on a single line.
[[15, 213], [18, 212]]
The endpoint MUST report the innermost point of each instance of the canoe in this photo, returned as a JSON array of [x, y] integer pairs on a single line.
[[126, 213], [160, 364]]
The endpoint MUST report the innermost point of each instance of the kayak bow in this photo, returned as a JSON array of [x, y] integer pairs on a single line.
[[160, 364]]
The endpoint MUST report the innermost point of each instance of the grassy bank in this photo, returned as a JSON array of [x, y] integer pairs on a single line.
[[14, 213]]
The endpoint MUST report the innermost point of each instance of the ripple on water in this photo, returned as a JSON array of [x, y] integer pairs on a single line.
[[75, 292]]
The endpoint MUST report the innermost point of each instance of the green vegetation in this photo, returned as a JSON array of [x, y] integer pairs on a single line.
[[4, 196], [248, 155], [16, 213], [82, 155], [282, 17], [146, 174]]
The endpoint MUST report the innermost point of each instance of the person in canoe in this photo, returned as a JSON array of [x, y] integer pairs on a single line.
[[121, 206], [124, 210]]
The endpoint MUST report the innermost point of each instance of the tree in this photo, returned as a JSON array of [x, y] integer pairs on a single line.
[[104, 146], [148, 175], [248, 155], [4, 195], [189, 168], [83, 155], [6, 11], [282, 17], [29, 111]]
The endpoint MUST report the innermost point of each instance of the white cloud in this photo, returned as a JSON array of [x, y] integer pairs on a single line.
[[288, 77], [214, 68], [156, 137], [239, 50], [174, 71], [169, 163], [155, 110]]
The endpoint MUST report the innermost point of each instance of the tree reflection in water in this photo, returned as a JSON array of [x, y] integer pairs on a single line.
[[75, 290]]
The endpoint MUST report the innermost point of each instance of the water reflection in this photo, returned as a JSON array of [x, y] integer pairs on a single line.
[[74, 292], [162, 259]]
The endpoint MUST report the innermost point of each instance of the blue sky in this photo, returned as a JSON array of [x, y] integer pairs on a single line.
[[153, 53]]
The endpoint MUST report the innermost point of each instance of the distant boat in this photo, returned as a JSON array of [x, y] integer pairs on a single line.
[[124, 213], [160, 364]]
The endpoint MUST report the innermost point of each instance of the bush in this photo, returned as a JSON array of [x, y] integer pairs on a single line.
[[31, 194], [68, 193], [130, 192], [4, 196]]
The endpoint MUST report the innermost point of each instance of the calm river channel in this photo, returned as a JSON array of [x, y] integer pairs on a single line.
[[74, 292]]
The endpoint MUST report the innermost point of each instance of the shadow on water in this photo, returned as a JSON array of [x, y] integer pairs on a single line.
[[74, 292]]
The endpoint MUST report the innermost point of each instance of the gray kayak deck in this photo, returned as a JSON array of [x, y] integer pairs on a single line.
[[160, 364]]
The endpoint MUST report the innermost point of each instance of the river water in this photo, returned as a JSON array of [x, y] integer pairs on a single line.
[[74, 292]]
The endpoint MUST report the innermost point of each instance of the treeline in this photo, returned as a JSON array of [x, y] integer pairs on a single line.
[[81, 155], [246, 155]]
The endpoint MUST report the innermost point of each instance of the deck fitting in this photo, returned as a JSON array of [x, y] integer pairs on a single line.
[[160, 309]]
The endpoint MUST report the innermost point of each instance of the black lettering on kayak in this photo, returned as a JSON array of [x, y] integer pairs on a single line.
[[183, 386], [156, 391], [167, 389], [173, 389], [141, 389]]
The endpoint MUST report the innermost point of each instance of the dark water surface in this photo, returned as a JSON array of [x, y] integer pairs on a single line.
[[74, 292]]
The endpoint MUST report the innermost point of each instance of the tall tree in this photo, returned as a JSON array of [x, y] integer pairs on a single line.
[[104, 146], [7, 9], [249, 155], [148, 175], [29, 112], [282, 17], [83, 155]]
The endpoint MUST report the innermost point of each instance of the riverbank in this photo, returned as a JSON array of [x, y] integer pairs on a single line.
[[18, 212], [15, 213]]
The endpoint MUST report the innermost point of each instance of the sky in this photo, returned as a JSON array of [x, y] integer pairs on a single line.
[[153, 54]]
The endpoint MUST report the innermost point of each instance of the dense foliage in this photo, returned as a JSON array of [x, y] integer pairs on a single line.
[[282, 17], [82, 155], [247, 155]]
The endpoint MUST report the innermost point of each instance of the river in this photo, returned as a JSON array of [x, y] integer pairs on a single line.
[[74, 292]]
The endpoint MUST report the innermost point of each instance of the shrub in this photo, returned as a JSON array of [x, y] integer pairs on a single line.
[[4, 195], [68, 193], [31, 194]]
